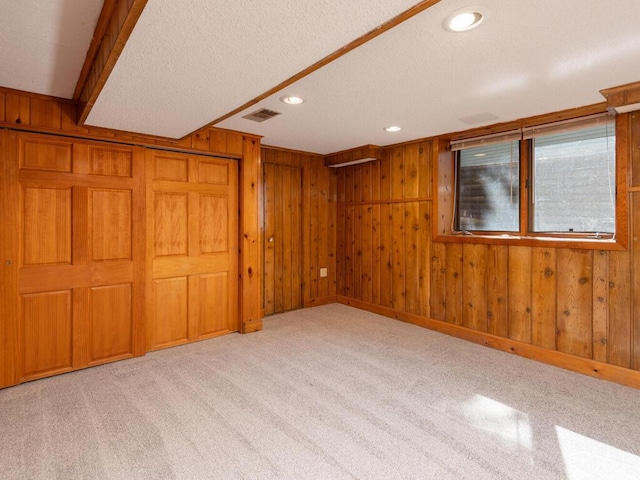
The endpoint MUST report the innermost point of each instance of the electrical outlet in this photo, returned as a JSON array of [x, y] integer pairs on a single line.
[[323, 272]]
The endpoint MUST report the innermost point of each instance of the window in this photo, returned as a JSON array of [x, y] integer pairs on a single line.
[[574, 181], [555, 180], [489, 188]]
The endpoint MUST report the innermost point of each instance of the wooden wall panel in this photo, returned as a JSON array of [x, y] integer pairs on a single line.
[[634, 148], [574, 303], [519, 302], [424, 260], [635, 269], [453, 283], [543, 297], [366, 253], [412, 253], [386, 256], [18, 109], [45, 113], [2, 102], [397, 246], [437, 299], [474, 287], [356, 250], [497, 290], [600, 304], [620, 326]]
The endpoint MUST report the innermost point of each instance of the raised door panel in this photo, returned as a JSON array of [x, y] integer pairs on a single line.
[[111, 224], [47, 226], [213, 172], [170, 307], [214, 223], [169, 167], [171, 223], [46, 154], [111, 323], [110, 161], [46, 327], [214, 304]]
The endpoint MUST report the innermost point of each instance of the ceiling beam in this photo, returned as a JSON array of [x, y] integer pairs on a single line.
[[115, 24], [379, 30], [98, 33]]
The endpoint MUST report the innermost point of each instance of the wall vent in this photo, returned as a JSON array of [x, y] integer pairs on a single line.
[[261, 115]]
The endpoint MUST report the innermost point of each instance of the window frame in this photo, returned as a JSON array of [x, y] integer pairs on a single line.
[[444, 164]]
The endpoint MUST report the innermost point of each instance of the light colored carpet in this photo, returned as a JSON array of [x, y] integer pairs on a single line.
[[325, 393]]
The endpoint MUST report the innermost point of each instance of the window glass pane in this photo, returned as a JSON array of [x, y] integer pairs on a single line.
[[574, 181], [488, 188]]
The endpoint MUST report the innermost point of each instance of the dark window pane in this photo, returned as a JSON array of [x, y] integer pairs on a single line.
[[574, 181], [488, 188]]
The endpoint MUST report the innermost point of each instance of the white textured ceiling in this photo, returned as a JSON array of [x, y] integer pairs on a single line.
[[43, 43], [189, 62], [527, 58]]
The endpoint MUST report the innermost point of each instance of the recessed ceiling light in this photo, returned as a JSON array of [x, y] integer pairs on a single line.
[[392, 128], [291, 100], [480, 155], [465, 19]]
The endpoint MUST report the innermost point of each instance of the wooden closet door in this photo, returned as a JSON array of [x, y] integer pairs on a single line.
[[192, 248], [80, 274], [282, 241]]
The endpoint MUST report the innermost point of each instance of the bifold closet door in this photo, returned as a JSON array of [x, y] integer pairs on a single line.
[[192, 248], [282, 243]]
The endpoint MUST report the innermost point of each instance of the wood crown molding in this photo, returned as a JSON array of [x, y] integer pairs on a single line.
[[623, 98]]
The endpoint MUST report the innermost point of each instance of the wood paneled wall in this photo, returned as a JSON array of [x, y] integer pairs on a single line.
[[319, 184], [576, 308]]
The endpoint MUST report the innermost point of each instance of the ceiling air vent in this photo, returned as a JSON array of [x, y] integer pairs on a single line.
[[261, 115]]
